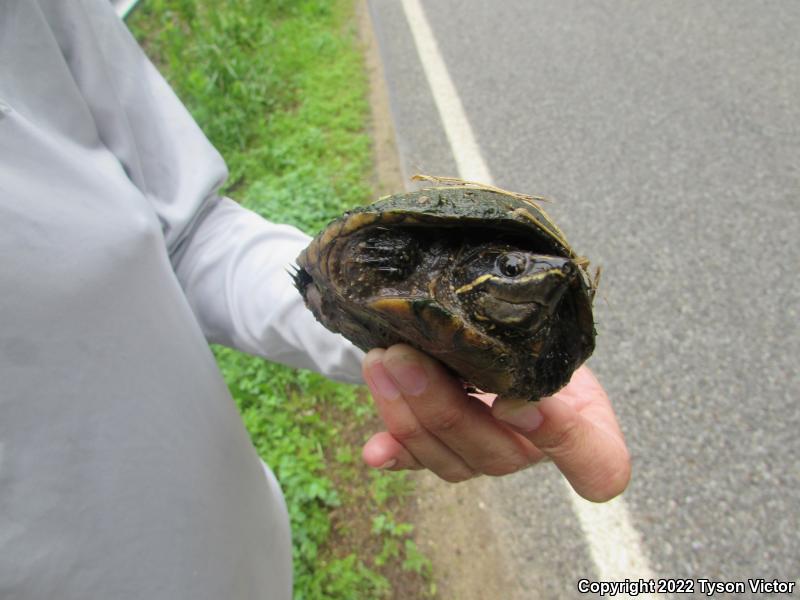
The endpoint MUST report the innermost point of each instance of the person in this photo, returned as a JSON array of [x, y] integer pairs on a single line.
[[125, 469]]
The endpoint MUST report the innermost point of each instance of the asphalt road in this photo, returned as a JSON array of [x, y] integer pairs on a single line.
[[669, 135]]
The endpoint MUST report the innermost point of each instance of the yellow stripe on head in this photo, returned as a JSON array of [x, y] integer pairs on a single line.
[[475, 283]]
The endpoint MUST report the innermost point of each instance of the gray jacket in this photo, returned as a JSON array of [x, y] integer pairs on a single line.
[[125, 470]]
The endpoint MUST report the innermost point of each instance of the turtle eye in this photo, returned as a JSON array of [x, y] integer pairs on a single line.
[[512, 264]]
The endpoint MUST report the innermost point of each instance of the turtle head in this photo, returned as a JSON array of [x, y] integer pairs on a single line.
[[514, 289]]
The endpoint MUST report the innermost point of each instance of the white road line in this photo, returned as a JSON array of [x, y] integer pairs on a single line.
[[614, 544], [462, 141], [123, 7]]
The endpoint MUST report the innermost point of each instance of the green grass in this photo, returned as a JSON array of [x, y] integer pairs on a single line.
[[280, 89]]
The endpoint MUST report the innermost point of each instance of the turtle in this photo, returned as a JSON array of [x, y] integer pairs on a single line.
[[478, 277]]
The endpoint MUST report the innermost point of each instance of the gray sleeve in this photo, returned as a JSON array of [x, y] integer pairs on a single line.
[[235, 275], [230, 262]]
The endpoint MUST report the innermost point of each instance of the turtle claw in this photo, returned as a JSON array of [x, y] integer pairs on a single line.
[[300, 277], [394, 254]]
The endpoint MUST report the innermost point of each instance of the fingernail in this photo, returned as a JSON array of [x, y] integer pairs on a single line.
[[525, 417], [409, 375], [381, 381], [388, 464]]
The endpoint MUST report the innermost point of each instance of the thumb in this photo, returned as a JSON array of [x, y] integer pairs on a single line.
[[593, 460]]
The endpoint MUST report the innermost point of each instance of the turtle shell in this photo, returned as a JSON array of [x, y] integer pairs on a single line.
[[479, 278]]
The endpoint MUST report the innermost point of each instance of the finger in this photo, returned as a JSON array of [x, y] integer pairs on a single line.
[[404, 426], [461, 423], [382, 451], [587, 396], [594, 461]]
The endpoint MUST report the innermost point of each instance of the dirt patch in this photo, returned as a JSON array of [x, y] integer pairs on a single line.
[[388, 177], [453, 525], [454, 528]]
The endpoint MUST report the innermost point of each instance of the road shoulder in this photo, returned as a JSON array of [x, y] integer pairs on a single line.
[[453, 523]]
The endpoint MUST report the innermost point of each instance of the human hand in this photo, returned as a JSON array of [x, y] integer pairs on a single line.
[[433, 423]]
